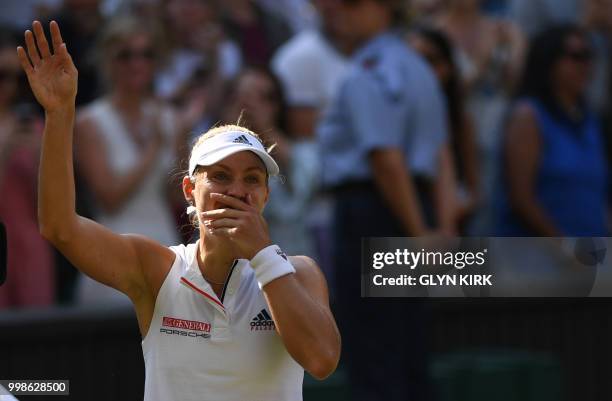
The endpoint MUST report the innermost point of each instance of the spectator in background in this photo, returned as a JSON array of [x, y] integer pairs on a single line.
[[383, 142], [311, 66], [298, 13], [556, 175], [258, 31], [597, 22], [31, 278], [199, 62], [17, 14], [126, 144], [257, 100], [435, 47], [535, 16], [490, 54], [81, 21], [425, 12]]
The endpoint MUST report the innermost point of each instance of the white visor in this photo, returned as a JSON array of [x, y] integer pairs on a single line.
[[223, 145]]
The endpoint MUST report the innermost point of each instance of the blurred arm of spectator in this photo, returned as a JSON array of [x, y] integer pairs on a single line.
[[111, 190], [469, 154], [436, 48], [431, 150], [395, 183], [445, 193], [511, 38], [522, 153]]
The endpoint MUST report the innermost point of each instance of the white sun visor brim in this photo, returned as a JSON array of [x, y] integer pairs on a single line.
[[224, 145]]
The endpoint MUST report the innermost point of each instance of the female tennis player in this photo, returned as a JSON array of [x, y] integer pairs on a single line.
[[227, 318]]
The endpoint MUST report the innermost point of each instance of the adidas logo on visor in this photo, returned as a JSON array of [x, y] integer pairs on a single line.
[[242, 139], [263, 321]]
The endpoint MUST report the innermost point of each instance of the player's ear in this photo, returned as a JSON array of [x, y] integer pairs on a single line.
[[188, 187]]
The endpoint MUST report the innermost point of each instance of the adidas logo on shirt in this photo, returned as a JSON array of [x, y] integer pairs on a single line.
[[242, 139], [263, 321]]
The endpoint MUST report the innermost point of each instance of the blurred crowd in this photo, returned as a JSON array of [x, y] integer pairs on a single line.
[[389, 118], [514, 127]]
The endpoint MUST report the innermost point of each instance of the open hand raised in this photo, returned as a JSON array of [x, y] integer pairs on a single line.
[[52, 77]]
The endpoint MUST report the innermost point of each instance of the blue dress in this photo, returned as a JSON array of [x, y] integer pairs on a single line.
[[572, 178]]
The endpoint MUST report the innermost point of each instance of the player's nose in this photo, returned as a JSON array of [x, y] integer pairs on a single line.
[[238, 191]]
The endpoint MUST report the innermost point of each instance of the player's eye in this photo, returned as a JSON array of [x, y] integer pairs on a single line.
[[220, 176], [253, 179]]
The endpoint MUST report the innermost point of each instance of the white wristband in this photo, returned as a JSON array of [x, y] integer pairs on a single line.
[[269, 264]]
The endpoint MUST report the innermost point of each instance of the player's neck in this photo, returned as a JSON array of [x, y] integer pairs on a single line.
[[214, 260]]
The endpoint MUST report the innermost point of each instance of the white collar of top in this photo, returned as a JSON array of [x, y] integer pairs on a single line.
[[223, 145]]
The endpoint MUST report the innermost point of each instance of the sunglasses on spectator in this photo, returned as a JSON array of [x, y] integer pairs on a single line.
[[126, 55], [7, 75], [583, 55]]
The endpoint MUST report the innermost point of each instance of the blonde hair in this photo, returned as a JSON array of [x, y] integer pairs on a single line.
[[222, 129]]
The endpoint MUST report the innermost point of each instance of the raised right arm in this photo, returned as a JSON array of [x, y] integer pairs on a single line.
[[109, 258]]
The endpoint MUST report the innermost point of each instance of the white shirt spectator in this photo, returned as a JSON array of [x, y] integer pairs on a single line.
[[147, 211], [310, 69]]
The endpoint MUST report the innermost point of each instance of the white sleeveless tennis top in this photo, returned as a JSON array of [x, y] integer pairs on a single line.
[[202, 348]]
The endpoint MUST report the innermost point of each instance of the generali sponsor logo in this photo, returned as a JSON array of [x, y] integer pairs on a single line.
[[186, 328]]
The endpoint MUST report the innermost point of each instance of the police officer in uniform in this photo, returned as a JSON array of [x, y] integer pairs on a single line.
[[386, 160]]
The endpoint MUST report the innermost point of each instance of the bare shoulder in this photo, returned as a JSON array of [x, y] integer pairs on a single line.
[[155, 261], [149, 249], [309, 274]]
